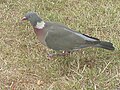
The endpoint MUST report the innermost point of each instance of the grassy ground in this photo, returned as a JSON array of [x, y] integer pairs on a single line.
[[23, 60]]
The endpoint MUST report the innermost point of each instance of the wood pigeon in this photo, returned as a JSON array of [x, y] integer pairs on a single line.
[[57, 36]]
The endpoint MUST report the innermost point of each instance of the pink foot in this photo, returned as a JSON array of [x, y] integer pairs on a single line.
[[64, 53]]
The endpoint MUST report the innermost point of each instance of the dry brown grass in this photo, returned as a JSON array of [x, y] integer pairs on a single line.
[[23, 61]]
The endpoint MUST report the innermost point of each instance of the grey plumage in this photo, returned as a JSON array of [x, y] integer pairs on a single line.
[[105, 45], [59, 37], [33, 18]]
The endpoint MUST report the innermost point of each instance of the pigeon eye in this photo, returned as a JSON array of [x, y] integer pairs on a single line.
[[29, 16]]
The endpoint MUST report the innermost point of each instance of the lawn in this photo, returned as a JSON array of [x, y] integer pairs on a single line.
[[23, 60]]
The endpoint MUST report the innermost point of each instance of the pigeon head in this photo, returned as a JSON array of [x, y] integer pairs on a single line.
[[32, 17]]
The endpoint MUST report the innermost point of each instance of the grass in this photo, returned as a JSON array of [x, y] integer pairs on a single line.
[[23, 60]]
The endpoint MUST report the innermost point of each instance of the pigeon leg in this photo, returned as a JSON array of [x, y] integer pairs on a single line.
[[64, 53]]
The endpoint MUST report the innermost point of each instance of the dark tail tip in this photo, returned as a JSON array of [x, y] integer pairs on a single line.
[[106, 45]]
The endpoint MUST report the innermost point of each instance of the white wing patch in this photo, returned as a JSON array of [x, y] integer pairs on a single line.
[[86, 38], [82, 36], [40, 25]]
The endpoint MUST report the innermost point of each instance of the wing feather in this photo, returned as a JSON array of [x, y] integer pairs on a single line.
[[60, 37]]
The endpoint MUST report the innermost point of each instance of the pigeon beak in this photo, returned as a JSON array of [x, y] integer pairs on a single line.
[[24, 18]]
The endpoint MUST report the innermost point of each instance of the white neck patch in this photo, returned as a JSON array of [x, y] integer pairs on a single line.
[[40, 25]]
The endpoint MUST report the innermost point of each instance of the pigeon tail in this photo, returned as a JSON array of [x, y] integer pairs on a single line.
[[105, 45]]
